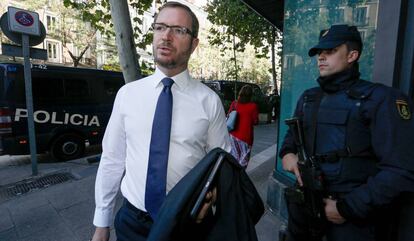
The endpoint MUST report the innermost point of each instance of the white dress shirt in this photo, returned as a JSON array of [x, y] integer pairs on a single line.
[[198, 125]]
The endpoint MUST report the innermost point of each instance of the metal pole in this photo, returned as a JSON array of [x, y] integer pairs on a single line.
[[29, 101]]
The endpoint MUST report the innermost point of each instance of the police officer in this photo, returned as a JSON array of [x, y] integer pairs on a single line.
[[362, 136]]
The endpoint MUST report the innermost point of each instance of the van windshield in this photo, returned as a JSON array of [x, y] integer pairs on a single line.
[[212, 86], [1, 82], [9, 75], [14, 84]]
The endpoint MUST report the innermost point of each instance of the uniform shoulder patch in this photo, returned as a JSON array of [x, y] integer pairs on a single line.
[[403, 109]]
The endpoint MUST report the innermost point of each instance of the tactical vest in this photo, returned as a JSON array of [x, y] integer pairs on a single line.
[[338, 135]]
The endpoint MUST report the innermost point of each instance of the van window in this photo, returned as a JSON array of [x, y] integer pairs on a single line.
[[76, 88], [213, 86], [46, 89], [2, 77], [229, 92], [257, 92], [14, 85], [111, 87]]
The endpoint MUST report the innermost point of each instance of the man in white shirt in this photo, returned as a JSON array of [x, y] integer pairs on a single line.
[[197, 126]]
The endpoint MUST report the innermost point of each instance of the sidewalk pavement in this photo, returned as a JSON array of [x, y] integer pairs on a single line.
[[64, 211]]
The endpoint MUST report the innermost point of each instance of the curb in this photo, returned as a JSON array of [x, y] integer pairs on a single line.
[[260, 158]]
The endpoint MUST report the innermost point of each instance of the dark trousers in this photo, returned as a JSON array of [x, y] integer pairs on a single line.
[[132, 224], [300, 225]]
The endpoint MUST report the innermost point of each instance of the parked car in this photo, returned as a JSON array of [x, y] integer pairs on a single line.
[[71, 106], [229, 90]]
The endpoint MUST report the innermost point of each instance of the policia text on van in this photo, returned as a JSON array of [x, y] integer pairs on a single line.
[[71, 105]]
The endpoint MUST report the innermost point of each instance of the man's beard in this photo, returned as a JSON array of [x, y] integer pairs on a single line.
[[173, 63]]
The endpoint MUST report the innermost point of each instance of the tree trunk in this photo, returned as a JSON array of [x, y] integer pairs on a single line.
[[128, 57], [235, 66], [274, 59], [234, 56], [76, 59], [76, 62]]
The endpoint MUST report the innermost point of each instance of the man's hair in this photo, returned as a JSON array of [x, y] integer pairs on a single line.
[[245, 94], [194, 20], [352, 45]]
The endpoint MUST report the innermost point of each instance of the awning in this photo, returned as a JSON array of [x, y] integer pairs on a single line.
[[271, 10]]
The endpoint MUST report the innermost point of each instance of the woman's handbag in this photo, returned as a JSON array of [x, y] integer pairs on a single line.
[[232, 120]]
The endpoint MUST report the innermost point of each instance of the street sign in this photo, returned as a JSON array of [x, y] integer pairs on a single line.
[[16, 37], [23, 26], [23, 21], [15, 50]]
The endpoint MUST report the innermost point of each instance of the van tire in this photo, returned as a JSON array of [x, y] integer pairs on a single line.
[[67, 147]]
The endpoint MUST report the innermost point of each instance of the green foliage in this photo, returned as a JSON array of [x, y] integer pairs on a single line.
[[98, 13], [147, 68], [112, 67], [234, 19]]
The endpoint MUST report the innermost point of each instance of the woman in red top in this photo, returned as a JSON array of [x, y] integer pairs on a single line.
[[247, 117]]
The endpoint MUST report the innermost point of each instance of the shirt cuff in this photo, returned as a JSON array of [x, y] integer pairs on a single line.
[[102, 218], [344, 210], [285, 151]]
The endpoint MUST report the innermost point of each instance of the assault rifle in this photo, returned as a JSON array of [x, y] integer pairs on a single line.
[[312, 192]]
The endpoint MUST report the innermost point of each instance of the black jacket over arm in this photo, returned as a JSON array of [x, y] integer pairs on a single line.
[[238, 206]]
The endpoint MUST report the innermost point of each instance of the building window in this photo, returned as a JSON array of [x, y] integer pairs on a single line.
[[53, 52], [50, 23], [363, 34], [339, 15], [145, 25], [290, 61], [360, 15]]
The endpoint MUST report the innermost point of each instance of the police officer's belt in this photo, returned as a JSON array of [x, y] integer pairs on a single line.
[[332, 156], [335, 156]]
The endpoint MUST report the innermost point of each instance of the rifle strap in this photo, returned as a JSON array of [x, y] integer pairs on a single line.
[[314, 119]]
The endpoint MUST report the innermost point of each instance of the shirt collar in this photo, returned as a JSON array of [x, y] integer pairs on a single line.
[[181, 80]]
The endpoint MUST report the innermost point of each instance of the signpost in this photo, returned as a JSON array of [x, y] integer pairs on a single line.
[[23, 25]]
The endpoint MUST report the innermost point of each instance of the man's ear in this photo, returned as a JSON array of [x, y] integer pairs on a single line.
[[194, 44], [353, 55]]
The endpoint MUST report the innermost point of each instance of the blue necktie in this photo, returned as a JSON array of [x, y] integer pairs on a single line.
[[158, 157]]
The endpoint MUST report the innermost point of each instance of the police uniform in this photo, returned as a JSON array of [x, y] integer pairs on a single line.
[[362, 136]]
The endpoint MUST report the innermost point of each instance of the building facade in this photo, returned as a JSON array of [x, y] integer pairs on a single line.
[[65, 33]]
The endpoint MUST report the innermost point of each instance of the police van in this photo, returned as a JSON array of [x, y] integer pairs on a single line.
[[71, 106]]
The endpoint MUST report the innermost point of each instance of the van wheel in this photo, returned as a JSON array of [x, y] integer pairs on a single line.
[[67, 147]]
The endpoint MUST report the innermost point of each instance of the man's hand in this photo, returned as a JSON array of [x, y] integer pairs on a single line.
[[331, 211], [101, 234], [209, 200], [290, 164]]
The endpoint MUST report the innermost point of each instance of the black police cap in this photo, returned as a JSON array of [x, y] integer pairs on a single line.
[[335, 36]]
